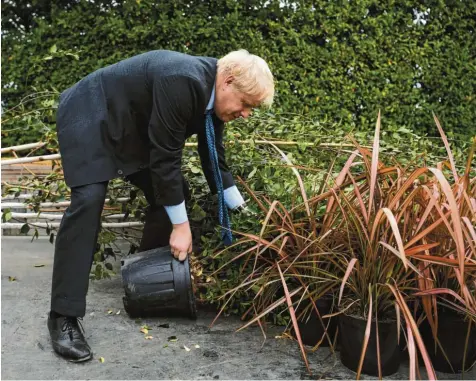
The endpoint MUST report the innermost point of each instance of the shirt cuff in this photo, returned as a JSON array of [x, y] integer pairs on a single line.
[[177, 213], [233, 198]]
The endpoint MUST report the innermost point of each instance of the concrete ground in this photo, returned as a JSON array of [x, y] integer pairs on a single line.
[[222, 352]]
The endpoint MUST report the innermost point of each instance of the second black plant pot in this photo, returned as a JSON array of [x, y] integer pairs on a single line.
[[452, 331], [351, 338], [311, 328]]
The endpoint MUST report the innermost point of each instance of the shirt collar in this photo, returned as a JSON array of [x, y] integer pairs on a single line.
[[211, 102]]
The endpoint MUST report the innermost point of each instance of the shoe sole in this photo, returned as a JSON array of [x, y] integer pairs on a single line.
[[81, 360], [84, 359]]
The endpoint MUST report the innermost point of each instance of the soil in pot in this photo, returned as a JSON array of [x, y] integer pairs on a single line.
[[311, 328], [351, 337], [452, 331]]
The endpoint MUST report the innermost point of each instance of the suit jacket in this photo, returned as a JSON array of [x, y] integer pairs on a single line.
[[136, 114]]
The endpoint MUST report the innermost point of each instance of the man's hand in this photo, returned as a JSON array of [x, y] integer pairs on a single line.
[[181, 241]]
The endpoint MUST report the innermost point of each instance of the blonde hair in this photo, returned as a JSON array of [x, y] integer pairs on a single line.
[[252, 75]]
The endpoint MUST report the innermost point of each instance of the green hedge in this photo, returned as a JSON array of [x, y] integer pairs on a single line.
[[338, 61]]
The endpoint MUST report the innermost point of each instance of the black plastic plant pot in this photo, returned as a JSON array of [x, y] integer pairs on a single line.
[[156, 284], [452, 331], [311, 328], [351, 335]]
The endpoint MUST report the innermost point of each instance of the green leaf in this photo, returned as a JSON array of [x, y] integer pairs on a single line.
[[6, 215], [108, 266], [252, 173], [53, 49], [35, 235], [195, 169], [25, 229]]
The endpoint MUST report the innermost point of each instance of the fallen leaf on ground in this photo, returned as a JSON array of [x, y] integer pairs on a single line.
[[166, 325], [39, 265], [91, 314], [12, 278], [101, 359], [197, 346], [165, 345], [109, 312], [145, 331], [118, 312], [148, 337], [172, 338], [186, 348]]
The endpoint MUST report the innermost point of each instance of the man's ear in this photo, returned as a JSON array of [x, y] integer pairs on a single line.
[[229, 79]]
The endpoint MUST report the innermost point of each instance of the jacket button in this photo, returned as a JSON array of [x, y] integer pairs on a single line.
[[142, 166], [120, 172]]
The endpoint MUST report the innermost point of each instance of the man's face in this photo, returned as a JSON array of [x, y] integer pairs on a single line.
[[231, 104]]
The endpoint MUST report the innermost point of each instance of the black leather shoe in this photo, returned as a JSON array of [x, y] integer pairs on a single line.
[[67, 338]]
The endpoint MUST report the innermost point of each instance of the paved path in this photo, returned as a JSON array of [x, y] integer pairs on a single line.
[[222, 353]]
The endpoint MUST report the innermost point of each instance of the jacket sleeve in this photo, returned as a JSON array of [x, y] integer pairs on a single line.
[[174, 100], [226, 175]]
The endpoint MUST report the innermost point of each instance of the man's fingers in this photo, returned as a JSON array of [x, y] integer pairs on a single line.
[[189, 249], [182, 256]]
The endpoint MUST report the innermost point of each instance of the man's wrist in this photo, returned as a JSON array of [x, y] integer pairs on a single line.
[[183, 225]]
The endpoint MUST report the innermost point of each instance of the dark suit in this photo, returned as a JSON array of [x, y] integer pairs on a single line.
[[130, 120]]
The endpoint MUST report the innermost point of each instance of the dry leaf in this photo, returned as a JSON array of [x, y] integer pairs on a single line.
[[197, 346], [148, 337], [91, 314], [186, 348], [118, 312], [12, 278], [172, 339], [145, 331], [101, 359], [39, 265], [109, 312], [165, 345]]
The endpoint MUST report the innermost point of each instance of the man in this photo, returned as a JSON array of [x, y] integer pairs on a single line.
[[131, 120]]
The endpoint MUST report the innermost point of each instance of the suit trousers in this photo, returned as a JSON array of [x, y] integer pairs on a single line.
[[77, 238]]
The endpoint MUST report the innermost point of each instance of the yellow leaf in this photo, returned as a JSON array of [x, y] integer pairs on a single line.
[[145, 331], [186, 348], [109, 312], [12, 278], [148, 337], [197, 346], [317, 99], [101, 359]]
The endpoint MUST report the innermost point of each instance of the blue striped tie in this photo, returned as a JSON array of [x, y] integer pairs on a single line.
[[222, 210]]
